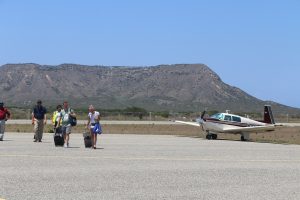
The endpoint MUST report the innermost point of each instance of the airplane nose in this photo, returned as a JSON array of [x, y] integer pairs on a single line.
[[199, 120]]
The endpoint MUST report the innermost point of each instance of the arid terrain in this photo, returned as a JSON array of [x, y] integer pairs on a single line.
[[171, 88]]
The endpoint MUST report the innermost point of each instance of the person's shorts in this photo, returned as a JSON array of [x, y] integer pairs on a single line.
[[66, 129], [92, 125], [92, 131]]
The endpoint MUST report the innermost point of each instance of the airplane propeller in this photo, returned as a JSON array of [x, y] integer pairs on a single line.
[[203, 113]]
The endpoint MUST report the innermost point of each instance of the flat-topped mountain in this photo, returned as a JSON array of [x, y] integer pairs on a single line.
[[180, 87]]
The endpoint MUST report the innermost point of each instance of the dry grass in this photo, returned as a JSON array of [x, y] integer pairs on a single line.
[[119, 129], [288, 135]]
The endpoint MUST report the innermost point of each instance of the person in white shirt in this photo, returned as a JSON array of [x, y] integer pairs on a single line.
[[93, 121]]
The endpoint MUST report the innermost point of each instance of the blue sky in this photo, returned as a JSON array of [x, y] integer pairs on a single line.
[[253, 45]]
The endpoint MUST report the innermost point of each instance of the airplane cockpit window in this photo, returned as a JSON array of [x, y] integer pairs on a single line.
[[217, 116], [227, 118], [236, 119]]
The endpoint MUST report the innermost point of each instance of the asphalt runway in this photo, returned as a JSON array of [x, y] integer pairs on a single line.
[[147, 167]]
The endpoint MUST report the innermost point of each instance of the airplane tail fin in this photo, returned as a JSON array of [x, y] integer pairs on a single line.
[[268, 115]]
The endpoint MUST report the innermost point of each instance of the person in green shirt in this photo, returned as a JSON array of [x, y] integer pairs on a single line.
[[66, 125]]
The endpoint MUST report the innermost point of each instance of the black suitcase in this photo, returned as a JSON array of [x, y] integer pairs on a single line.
[[58, 137], [87, 140]]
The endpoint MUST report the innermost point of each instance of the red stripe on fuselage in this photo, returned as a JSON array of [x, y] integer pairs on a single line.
[[239, 124]]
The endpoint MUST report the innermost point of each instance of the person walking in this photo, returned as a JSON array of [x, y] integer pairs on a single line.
[[39, 119], [56, 117], [4, 116], [66, 112], [93, 124]]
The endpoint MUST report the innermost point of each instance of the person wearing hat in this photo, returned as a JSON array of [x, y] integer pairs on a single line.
[[4, 116], [39, 119]]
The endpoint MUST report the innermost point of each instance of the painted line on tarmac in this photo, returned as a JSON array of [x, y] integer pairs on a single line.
[[145, 158]]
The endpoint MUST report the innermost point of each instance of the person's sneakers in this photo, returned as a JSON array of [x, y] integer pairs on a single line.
[[40, 140], [94, 147], [65, 145], [35, 140]]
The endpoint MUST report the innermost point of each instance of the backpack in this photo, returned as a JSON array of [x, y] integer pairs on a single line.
[[72, 120]]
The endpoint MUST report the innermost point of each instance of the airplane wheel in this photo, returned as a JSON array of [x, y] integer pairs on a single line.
[[209, 136], [214, 136]]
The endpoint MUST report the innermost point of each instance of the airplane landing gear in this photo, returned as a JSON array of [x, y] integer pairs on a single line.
[[210, 136], [245, 137], [214, 136]]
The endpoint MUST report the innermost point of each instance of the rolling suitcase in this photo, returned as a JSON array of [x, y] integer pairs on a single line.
[[58, 137], [87, 140]]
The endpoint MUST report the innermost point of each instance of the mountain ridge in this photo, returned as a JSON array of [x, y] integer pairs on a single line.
[[178, 87]]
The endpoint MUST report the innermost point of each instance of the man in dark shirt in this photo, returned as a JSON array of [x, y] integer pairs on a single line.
[[39, 119], [4, 116]]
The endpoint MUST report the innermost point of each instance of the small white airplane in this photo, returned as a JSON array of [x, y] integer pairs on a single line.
[[234, 124]]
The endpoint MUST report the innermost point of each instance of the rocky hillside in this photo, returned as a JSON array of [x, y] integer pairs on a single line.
[[184, 87]]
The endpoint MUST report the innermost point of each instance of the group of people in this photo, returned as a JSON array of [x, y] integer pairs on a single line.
[[61, 121]]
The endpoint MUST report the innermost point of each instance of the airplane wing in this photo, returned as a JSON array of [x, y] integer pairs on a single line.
[[188, 123], [236, 129], [249, 129]]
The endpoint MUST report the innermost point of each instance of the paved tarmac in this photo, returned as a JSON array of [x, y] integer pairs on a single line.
[[147, 167]]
